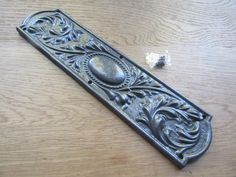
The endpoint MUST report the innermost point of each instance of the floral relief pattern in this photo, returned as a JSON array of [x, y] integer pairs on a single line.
[[173, 122], [68, 42], [170, 119], [141, 86]]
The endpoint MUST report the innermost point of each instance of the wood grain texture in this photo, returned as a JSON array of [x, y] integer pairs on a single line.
[[51, 127]]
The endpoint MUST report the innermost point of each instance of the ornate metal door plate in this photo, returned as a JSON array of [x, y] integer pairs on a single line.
[[170, 122]]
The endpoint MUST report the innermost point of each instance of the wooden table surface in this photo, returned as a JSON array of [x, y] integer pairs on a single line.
[[51, 127]]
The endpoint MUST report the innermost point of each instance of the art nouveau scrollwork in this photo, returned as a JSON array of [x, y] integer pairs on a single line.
[[169, 121]]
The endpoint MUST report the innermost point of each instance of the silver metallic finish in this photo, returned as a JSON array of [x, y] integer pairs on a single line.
[[170, 122]]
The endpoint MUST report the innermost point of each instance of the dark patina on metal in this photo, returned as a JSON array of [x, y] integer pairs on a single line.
[[170, 122]]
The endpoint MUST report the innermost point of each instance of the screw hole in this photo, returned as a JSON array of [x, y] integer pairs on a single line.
[[90, 82], [180, 156]]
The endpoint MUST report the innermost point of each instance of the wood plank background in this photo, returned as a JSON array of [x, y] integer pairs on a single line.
[[51, 127]]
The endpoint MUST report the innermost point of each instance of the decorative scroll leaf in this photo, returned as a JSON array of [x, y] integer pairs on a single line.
[[173, 122], [179, 128], [68, 42], [141, 86]]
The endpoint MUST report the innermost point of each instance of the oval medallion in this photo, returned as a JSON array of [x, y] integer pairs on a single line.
[[106, 70]]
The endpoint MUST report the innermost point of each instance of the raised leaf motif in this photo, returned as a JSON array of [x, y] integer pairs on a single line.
[[168, 120], [173, 122]]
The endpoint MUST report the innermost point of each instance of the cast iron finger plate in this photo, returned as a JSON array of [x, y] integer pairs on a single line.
[[170, 122]]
